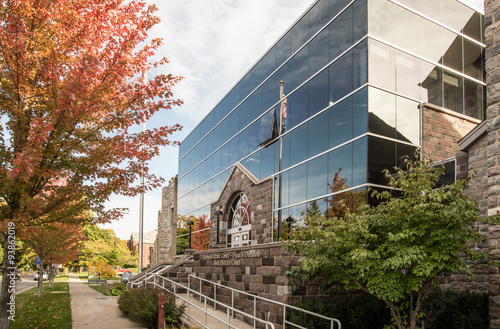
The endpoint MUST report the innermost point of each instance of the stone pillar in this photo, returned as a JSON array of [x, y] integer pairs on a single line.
[[167, 223], [492, 40]]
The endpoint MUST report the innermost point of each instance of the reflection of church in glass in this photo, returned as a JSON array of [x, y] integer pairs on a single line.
[[366, 82]]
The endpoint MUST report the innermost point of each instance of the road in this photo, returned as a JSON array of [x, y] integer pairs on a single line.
[[26, 283]]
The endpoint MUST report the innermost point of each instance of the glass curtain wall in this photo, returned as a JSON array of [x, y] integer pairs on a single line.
[[356, 74]]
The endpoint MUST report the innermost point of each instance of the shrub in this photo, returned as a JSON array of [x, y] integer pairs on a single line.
[[455, 310], [356, 312], [118, 289], [441, 309], [141, 305]]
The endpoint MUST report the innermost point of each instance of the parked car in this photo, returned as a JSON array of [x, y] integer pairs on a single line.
[[45, 277], [126, 276], [120, 271]]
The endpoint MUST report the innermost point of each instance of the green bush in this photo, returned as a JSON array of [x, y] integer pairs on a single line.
[[355, 312], [141, 305], [118, 289], [455, 310], [441, 309]]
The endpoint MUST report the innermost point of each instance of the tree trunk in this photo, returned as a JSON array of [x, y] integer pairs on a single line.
[[4, 293], [40, 277]]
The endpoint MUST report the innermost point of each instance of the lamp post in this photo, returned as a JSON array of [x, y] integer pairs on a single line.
[[190, 223], [218, 213]]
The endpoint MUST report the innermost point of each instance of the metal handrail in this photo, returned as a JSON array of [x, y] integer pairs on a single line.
[[206, 298], [285, 306]]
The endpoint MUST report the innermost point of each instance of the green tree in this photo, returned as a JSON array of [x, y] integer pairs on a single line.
[[104, 246], [397, 250]]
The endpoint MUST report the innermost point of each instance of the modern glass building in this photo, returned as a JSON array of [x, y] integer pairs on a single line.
[[356, 76]]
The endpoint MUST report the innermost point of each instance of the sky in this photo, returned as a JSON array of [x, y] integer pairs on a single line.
[[212, 44]]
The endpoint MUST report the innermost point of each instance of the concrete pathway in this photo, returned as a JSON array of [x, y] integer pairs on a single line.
[[91, 309]]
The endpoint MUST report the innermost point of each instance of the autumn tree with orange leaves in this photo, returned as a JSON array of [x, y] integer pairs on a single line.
[[201, 239], [55, 242], [71, 89]]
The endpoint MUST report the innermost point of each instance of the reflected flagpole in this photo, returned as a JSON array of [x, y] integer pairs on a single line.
[[280, 190], [141, 207]]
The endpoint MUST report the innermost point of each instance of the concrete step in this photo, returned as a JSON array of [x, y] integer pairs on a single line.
[[214, 318]]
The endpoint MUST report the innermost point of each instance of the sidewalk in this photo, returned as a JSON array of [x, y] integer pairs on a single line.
[[91, 309]]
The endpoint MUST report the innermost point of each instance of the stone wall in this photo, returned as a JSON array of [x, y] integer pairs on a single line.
[[258, 270], [260, 195], [166, 239], [441, 130], [492, 40]]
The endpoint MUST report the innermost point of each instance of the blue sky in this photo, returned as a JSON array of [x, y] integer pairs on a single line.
[[212, 43]]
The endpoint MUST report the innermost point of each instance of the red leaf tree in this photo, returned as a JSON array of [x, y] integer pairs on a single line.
[[55, 242], [71, 89], [201, 240]]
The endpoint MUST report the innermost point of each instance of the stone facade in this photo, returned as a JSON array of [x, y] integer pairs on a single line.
[[492, 40], [260, 194], [441, 130], [258, 270], [167, 224]]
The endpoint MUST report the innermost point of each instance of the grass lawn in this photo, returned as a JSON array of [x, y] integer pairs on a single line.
[[100, 288], [53, 310], [61, 277], [84, 276]]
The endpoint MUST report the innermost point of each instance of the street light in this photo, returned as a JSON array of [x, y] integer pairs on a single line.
[[190, 223], [218, 213]]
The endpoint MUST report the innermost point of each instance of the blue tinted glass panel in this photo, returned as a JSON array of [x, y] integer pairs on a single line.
[[318, 52], [298, 179], [300, 33], [297, 104], [317, 177], [252, 163], [318, 92], [256, 76], [244, 111], [269, 63], [341, 77], [340, 31], [268, 165], [337, 5], [284, 49], [359, 19], [317, 134], [318, 16], [360, 112], [299, 65], [298, 145], [340, 161], [340, 123], [360, 64], [255, 105], [233, 150], [225, 156], [244, 144], [360, 161], [285, 158], [234, 119], [266, 125]]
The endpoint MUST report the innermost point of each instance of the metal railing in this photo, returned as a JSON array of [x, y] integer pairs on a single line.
[[178, 286], [286, 307], [230, 308]]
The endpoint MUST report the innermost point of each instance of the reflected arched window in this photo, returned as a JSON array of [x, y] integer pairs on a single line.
[[240, 211]]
